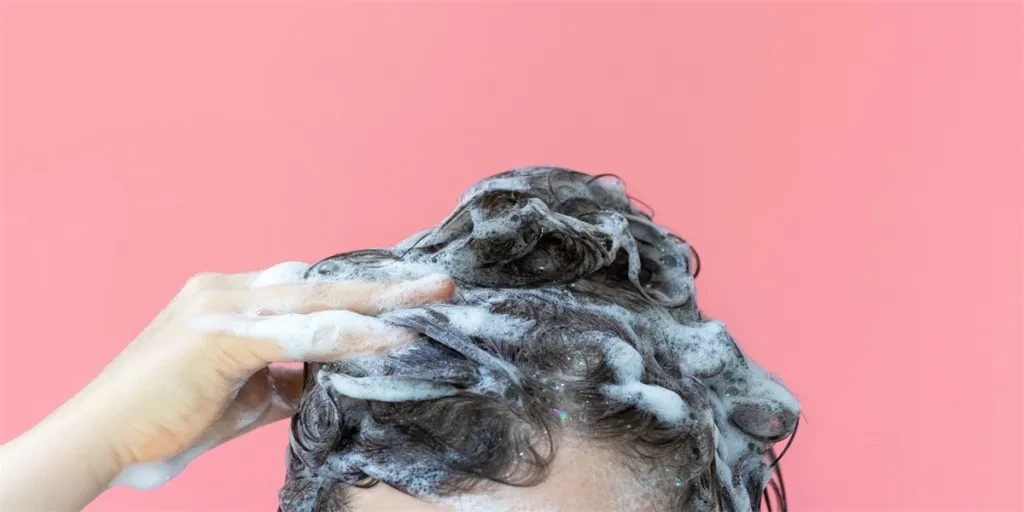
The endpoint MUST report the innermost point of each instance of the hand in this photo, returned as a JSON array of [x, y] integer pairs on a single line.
[[199, 374]]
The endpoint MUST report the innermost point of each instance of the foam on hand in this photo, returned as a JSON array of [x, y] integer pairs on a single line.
[[282, 273], [321, 335], [411, 292], [150, 475]]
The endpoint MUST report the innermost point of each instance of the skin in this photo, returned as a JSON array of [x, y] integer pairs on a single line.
[[182, 382], [185, 381], [582, 476]]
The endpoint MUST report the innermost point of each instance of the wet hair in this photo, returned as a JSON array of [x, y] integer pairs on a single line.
[[574, 313]]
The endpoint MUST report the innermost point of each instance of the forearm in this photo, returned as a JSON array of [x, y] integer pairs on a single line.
[[61, 464]]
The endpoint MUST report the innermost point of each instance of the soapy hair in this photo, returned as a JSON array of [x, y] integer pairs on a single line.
[[574, 313]]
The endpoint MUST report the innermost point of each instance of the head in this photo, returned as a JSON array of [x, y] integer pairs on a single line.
[[574, 370]]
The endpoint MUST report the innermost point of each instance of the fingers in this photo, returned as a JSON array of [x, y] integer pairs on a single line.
[[267, 317], [358, 296], [197, 283], [269, 396], [281, 289], [319, 336], [260, 401], [287, 272]]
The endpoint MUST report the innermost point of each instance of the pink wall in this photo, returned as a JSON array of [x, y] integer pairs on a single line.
[[851, 174]]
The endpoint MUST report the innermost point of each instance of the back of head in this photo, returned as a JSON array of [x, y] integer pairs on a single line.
[[575, 317]]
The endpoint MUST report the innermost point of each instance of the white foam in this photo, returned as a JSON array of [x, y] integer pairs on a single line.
[[282, 273], [419, 478], [477, 321], [617, 229], [700, 348], [665, 404], [385, 389], [314, 335], [406, 270], [628, 367], [751, 385], [489, 383], [625, 361], [703, 348], [150, 475], [384, 271], [730, 445], [502, 183], [406, 292]]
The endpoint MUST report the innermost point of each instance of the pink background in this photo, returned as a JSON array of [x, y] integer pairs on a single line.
[[851, 174]]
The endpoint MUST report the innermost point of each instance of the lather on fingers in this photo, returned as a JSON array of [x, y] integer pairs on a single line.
[[281, 289], [319, 336], [362, 297]]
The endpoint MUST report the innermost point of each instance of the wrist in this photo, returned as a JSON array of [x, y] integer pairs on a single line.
[[61, 464], [81, 434]]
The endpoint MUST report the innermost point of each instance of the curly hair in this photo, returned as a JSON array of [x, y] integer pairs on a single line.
[[574, 313]]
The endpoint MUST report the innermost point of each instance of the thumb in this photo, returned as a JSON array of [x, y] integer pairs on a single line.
[[268, 396]]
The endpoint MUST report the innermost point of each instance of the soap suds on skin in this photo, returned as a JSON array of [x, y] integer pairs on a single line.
[[150, 475], [306, 336], [408, 293], [313, 336], [408, 286], [392, 271], [282, 273]]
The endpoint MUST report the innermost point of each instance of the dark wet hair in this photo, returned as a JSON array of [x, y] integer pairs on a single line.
[[557, 272]]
